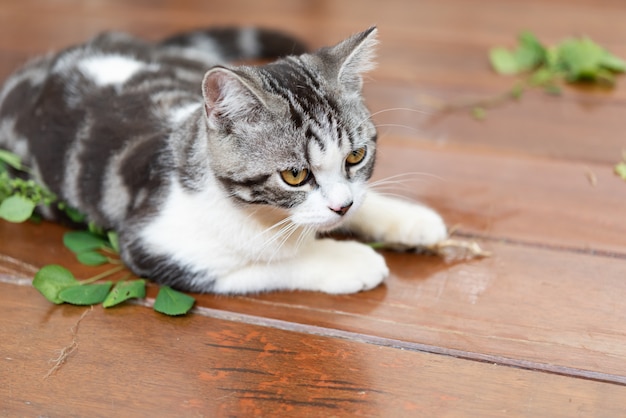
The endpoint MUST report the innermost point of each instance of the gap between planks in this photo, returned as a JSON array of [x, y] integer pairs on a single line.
[[539, 245], [378, 341]]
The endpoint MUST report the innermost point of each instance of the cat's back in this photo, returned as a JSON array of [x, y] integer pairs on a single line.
[[96, 121], [93, 119]]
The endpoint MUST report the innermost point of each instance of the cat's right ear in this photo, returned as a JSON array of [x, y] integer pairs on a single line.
[[228, 97]]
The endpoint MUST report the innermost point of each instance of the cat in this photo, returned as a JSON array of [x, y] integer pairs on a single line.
[[217, 177]]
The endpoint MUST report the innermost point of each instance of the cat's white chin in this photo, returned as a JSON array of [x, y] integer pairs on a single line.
[[326, 224]]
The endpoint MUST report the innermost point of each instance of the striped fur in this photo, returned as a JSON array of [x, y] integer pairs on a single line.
[[182, 154]]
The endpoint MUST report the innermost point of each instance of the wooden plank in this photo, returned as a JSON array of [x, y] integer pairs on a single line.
[[425, 56], [509, 196], [548, 307], [544, 306], [131, 361]]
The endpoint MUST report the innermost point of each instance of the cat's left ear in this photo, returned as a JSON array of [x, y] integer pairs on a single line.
[[355, 56], [228, 96]]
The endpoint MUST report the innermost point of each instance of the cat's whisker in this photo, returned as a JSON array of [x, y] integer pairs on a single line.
[[278, 234], [304, 234], [289, 231], [405, 178], [395, 195], [394, 109], [397, 125], [276, 225], [403, 109]]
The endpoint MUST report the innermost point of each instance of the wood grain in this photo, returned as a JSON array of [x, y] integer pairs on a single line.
[[535, 330], [135, 362]]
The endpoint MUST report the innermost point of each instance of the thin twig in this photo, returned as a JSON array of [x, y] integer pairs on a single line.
[[69, 349]]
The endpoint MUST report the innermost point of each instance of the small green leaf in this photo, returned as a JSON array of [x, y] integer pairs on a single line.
[[74, 214], [114, 241], [92, 258], [16, 209], [125, 290], [51, 280], [620, 170], [581, 58], [11, 159], [172, 302], [95, 229], [479, 113], [542, 77], [613, 63], [81, 241], [503, 61], [530, 53], [88, 294]]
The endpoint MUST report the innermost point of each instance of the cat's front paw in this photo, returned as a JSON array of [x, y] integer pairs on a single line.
[[416, 225], [351, 267]]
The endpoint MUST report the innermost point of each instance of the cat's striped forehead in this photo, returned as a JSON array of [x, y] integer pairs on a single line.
[[316, 107]]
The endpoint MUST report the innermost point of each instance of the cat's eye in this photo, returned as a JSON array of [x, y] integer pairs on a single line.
[[295, 177], [356, 156]]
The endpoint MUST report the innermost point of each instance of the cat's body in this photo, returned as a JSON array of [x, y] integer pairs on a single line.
[[216, 181]]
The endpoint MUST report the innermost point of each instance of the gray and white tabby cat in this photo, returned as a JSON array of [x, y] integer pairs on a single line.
[[219, 180]]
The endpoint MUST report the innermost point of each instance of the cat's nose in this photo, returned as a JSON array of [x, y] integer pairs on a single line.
[[341, 210]]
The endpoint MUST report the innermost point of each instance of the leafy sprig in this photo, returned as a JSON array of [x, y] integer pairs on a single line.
[[94, 247], [573, 60], [20, 197]]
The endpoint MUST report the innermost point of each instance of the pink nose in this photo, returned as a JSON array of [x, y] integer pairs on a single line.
[[342, 210]]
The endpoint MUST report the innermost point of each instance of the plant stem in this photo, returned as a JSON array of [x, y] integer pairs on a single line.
[[103, 275], [108, 250]]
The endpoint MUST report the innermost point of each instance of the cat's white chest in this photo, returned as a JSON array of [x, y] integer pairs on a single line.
[[208, 231]]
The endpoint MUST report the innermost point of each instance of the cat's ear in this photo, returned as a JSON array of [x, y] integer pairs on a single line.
[[228, 97], [355, 56]]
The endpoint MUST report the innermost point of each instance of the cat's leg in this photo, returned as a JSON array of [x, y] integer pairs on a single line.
[[393, 221], [323, 265]]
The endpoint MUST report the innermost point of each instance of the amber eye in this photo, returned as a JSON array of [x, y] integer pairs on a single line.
[[356, 156], [295, 177]]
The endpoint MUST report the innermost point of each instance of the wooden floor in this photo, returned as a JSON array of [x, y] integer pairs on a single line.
[[538, 329]]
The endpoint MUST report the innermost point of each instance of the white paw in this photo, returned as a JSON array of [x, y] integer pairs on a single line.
[[415, 225], [397, 222], [351, 267]]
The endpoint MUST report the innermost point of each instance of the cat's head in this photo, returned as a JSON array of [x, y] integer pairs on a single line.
[[295, 134]]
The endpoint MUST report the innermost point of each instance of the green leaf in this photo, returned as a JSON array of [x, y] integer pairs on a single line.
[[11, 159], [479, 113], [125, 290], [95, 229], [114, 241], [88, 294], [51, 280], [172, 302], [542, 77], [613, 63], [620, 170], [503, 61], [16, 208], [530, 53], [581, 58], [82, 241], [91, 258], [74, 214]]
